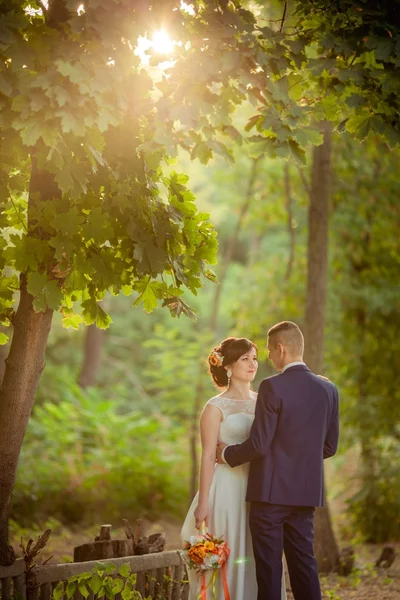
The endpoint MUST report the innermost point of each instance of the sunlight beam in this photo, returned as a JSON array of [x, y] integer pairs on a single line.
[[162, 43]]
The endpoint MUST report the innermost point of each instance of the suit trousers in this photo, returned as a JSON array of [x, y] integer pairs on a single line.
[[276, 528]]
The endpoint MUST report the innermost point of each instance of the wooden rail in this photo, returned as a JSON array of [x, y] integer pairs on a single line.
[[161, 575], [12, 581]]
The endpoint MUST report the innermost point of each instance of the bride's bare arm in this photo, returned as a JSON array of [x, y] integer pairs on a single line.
[[210, 421]]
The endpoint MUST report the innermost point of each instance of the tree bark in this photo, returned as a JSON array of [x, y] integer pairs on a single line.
[[226, 260], [290, 222], [25, 361], [3, 356], [326, 548], [92, 356], [318, 223], [25, 364]]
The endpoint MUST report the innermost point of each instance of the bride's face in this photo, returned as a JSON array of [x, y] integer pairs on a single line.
[[245, 368]]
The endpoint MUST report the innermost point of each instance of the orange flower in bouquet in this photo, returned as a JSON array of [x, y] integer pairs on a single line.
[[197, 553]]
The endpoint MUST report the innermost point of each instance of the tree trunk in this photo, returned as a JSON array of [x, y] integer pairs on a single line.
[[226, 260], [326, 549], [24, 366], [318, 223], [3, 356], [290, 222], [92, 356], [25, 361]]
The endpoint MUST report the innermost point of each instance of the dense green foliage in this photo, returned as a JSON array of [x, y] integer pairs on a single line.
[[76, 111], [88, 457], [103, 581], [366, 262], [355, 61], [86, 126]]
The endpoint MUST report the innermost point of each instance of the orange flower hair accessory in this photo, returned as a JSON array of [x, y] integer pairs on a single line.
[[215, 359]]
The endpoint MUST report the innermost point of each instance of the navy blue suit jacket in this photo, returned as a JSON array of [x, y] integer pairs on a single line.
[[296, 426]]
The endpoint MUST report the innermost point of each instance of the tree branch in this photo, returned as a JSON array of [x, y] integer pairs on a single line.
[[283, 17], [303, 178]]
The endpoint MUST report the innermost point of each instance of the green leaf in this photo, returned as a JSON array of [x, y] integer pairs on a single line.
[[36, 283], [93, 313], [71, 589], [126, 290], [147, 296], [5, 87], [370, 60], [3, 338], [53, 295], [355, 100], [359, 124], [109, 593], [83, 589], [298, 152], [39, 303], [253, 122], [31, 132], [95, 584], [85, 576], [72, 321], [117, 586], [125, 570], [202, 152], [58, 591], [211, 276], [308, 136], [127, 591], [69, 123], [384, 48]]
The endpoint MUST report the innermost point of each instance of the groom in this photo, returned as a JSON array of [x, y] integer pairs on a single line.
[[296, 426]]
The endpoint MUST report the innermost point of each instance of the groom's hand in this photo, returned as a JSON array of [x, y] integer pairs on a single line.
[[220, 447]]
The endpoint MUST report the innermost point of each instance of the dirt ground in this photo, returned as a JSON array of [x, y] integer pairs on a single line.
[[365, 582]]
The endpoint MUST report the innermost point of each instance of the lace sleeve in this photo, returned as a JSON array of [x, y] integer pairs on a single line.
[[218, 402]]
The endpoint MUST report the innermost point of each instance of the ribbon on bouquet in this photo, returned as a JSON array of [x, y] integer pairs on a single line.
[[203, 588]]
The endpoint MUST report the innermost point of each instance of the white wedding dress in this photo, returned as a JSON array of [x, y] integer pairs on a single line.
[[228, 514]]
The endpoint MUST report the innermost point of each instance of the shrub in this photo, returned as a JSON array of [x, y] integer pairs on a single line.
[[88, 457]]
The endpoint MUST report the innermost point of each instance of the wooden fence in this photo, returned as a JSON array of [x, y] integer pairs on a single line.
[[161, 575]]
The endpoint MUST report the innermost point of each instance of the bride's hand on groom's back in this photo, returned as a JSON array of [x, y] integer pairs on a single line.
[[323, 377], [201, 514]]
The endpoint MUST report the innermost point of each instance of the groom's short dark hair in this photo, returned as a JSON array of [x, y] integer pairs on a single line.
[[288, 334]]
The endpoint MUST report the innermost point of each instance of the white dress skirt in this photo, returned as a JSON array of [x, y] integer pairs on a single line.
[[229, 512]]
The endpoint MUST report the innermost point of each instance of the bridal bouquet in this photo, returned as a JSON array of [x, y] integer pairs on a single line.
[[205, 552]]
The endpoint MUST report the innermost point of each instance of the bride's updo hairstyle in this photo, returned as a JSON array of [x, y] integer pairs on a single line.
[[227, 353]]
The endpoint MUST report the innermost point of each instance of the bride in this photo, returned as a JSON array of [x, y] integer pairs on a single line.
[[220, 501]]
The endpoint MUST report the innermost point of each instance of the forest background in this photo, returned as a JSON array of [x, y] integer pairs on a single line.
[[114, 428]]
